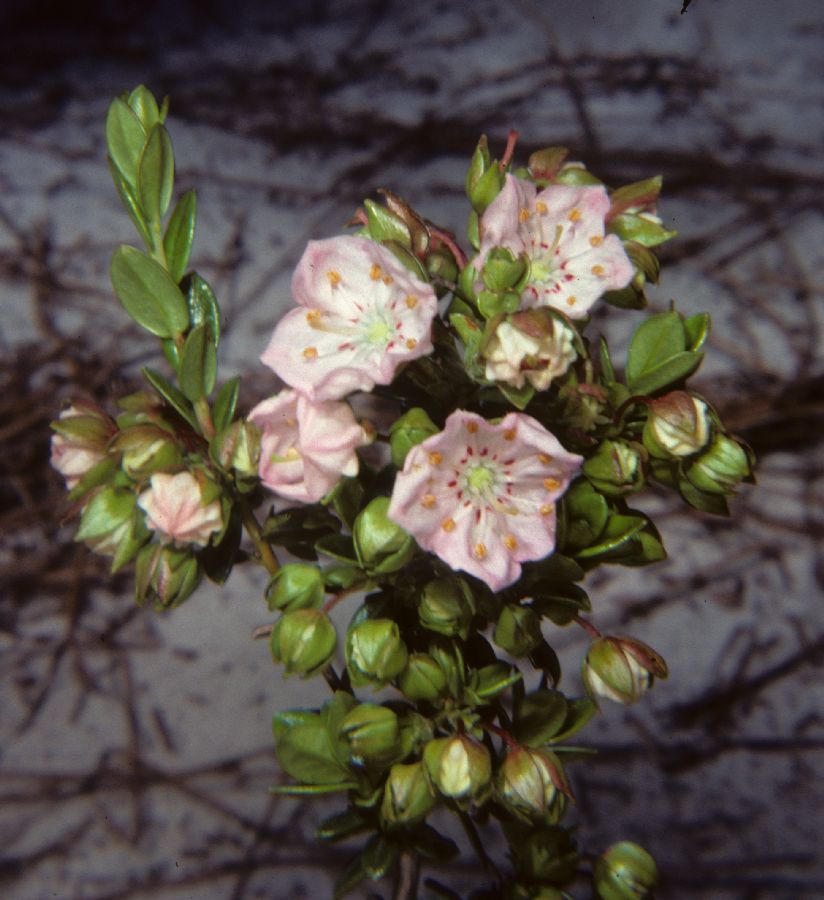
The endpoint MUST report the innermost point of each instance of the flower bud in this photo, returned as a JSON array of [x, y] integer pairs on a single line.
[[372, 732], [625, 871], [531, 784], [502, 271], [239, 449], [81, 434], [375, 652], [165, 575], [459, 767], [407, 797], [422, 679], [381, 545], [408, 431], [616, 467], [303, 640], [721, 468], [107, 524], [445, 608], [677, 425], [621, 669], [295, 586], [518, 629], [146, 449]]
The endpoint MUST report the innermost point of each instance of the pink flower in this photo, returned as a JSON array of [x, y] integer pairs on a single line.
[[561, 230], [481, 495], [79, 443], [361, 314], [306, 447], [175, 509]]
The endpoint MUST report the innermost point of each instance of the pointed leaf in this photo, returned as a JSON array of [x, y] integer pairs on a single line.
[[156, 173], [203, 305], [171, 395], [125, 138], [128, 198], [147, 293], [180, 234], [144, 106], [669, 373], [198, 365], [697, 328], [378, 857], [655, 341], [225, 402]]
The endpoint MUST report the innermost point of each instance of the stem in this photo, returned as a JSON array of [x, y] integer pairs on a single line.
[[204, 418], [406, 881], [588, 627], [250, 523], [511, 140]]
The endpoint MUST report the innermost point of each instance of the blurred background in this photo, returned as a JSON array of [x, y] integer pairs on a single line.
[[135, 748]]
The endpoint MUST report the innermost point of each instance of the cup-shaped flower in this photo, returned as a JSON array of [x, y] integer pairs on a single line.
[[375, 652], [561, 231], [531, 783], [532, 345], [459, 767], [360, 315], [625, 871], [407, 796], [177, 510], [306, 447], [303, 640], [677, 425], [621, 669], [481, 495], [78, 444]]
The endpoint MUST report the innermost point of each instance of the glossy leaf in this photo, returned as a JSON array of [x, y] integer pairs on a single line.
[[180, 234], [540, 716], [579, 712], [125, 138], [225, 403], [203, 305], [171, 395], [128, 198], [198, 365], [155, 174], [697, 328], [385, 225], [669, 373], [342, 825], [378, 857], [304, 751], [655, 341], [143, 104], [147, 293], [619, 530]]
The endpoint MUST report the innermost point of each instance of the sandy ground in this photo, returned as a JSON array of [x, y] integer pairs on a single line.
[[135, 749]]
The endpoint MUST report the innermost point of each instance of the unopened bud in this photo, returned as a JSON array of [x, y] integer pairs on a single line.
[[531, 784], [146, 449], [375, 652], [422, 679], [303, 640], [372, 732], [166, 576], [459, 767], [615, 468], [677, 426], [446, 608], [408, 431], [625, 872], [381, 545], [78, 444], [107, 524], [407, 796], [721, 468], [621, 669], [518, 629], [239, 448], [295, 586]]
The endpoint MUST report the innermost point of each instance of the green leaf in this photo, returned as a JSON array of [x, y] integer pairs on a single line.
[[655, 341], [304, 751], [105, 511], [125, 138], [561, 603], [619, 530], [156, 174], [630, 227], [518, 397], [716, 504], [99, 474], [385, 225], [378, 857], [171, 395], [144, 106], [223, 410], [130, 202], [180, 234], [697, 328], [311, 790], [669, 373], [347, 499], [203, 305], [540, 716], [351, 877], [198, 365], [339, 547], [638, 194], [579, 712], [148, 293], [630, 297], [587, 513], [607, 369], [342, 825]]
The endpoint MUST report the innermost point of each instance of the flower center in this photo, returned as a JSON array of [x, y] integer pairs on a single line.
[[479, 478], [378, 331]]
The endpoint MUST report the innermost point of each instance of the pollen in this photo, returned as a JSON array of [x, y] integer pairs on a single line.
[[387, 279], [411, 301], [334, 277], [596, 241], [541, 207], [524, 214], [509, 434], [310, 353], [599, 271], [544, 458], [411, 344], [313, 317], [448, 525], [472, 427], [571, 301], [428, 501], [435, 458], [574, 215], [480, 551], [547, 509], [551, 484], [510, 542], [375, 272]]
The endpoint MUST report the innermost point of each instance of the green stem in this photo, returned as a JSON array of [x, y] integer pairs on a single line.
[[265, 552]]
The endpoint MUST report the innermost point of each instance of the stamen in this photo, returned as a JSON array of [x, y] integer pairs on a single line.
[[509, 434], [510, 542], [411, 301], [524, 214], [571, 301], [435, 458], [547, 509], [598, 271], [551, 484], [387, 279], [575, 215], [541, 207], [480, 551], [544, 458], [448, 525], [472, 427], [375, 272], [313, 317], [428, 501], [310, 353], [596, 241], [334, 277], [411, 344]]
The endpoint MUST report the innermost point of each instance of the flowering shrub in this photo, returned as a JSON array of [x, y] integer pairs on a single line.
[[505, 446]]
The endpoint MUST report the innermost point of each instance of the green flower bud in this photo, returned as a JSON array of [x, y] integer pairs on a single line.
[[721, 468], [485, 188], [625, 872], [303, 640], [238, 448], [107, 524], [502, 271], [545, 163], [375, 652], [422, 679], [407, 432], [296, 586], [518, 630], [407, 796], [381, 545], [165, 575], [445, 608], [531, 784], [616, 467], [621, 669], [459, 767], [147, 449], [372, 732], [677, 426]]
